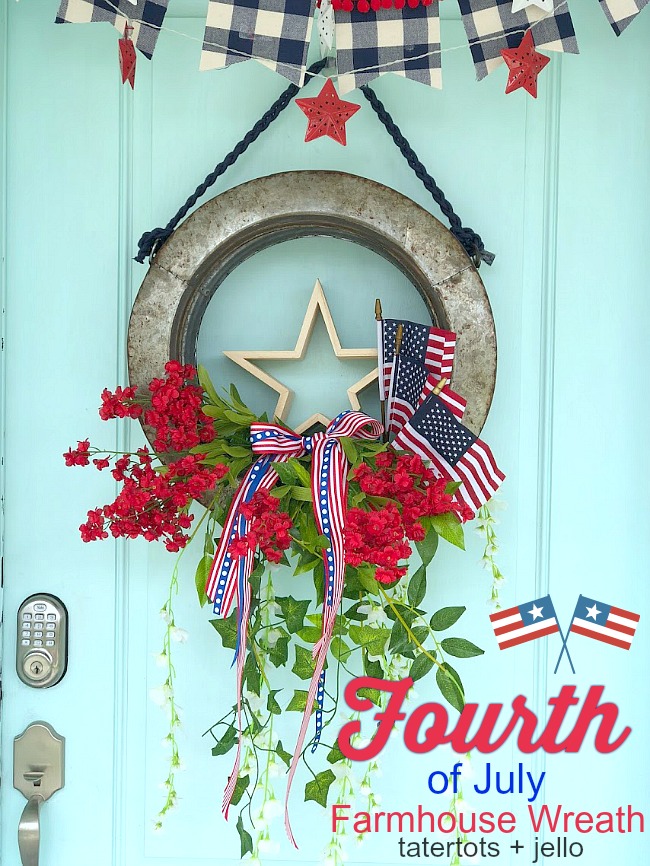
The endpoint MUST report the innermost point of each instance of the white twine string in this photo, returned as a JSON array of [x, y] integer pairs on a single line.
[[386, 66]]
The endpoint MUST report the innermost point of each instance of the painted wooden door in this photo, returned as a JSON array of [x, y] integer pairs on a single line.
[[558, 188]]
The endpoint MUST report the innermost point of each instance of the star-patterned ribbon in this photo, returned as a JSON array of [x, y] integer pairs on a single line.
[[229, 576]]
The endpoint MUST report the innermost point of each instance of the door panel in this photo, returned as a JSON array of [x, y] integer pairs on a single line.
[[558, 188]]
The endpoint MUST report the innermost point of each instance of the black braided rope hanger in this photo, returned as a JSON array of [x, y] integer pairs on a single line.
[[151, 241]]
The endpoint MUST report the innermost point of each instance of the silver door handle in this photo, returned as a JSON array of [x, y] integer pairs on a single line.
[[39, 757], [29, 831]]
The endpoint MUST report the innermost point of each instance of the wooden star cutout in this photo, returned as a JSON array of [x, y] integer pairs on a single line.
[[524, 64], [317, 303], [327, 114], [544, 5]]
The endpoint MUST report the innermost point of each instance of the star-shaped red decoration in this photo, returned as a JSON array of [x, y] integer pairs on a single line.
[[524, 64], [327, 114]]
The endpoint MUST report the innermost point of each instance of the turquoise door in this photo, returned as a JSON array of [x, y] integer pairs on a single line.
[[559, 189]]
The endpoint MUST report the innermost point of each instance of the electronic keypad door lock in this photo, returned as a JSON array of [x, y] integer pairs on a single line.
[[39, 762], [42, 640]]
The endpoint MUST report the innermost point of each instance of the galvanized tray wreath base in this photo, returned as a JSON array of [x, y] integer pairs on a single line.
[[224, 232]]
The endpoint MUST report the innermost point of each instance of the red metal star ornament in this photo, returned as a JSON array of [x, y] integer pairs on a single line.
[[327, 114], [127, 56], [524, 64]]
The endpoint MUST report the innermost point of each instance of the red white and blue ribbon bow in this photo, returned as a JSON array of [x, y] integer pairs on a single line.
[[229, 576]]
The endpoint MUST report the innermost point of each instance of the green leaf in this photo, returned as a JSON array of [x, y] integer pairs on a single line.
[[461, 648], [420, 667], [349, 449], [279, 654], [310, 634], [323, 542], [427, 547], [451, 686], [272, 704], [446, 617], [367, 580], [245, 838], [206, 383], [201, 577], [449, 527], [298, 702], [301, 473], [318, 788], [340, 650], [252, 675], [285, 472], [420, 634], [227, 629], [335, 754], [372, 668], [306, 565], [226, 742], [304, 664], [282, 753], [293, 611], [417, 586], [302, 494], [398, 637], [280, 492], [240, 789], [452, 487], [372, 639], [373, 695]]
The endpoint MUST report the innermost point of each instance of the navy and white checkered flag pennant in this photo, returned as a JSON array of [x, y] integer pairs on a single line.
[[491, 25], [145, 16], [404, 41], [274, 32], [620, 13]]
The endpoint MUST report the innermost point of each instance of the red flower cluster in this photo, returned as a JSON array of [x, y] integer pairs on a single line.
[[153, 502], [380, 535], [269, 528], [78, 456], [173, 409]]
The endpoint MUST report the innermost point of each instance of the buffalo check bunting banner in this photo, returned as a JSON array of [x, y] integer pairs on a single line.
[[620, 13], [145, 16], [274, 32], [403, 41], [491, 25]]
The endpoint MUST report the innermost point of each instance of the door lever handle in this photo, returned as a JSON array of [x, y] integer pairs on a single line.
[[39, 755], [29, 831]]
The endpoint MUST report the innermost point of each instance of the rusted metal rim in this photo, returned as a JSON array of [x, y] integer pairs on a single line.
[[224, 232]]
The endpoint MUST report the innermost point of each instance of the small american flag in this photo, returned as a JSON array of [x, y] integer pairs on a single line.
[[432, 347], [412, 383], [453, 451], [524, 622], [604, 622]]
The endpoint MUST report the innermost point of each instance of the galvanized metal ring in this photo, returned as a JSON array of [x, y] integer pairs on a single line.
[[189, 268]]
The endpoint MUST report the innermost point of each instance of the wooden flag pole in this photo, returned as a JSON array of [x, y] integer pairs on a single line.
[[399, 335], [441, 384], [380, 359]]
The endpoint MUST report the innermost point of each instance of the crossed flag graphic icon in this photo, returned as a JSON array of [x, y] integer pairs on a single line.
[[591, 618]]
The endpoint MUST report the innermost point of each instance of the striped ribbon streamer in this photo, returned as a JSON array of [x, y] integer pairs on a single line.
[[229, 575]]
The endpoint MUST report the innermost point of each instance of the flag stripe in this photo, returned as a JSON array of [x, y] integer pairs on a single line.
[[502, 614], [551, 629], [604, 629], [515, 630], [621, 615], [605, 638]]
